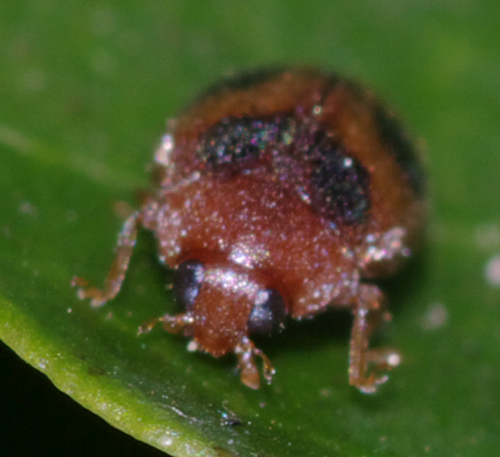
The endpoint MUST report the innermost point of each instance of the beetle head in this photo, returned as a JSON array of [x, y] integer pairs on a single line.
[[226, 303]]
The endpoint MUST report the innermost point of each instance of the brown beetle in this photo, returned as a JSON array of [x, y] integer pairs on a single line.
[[277, 192]]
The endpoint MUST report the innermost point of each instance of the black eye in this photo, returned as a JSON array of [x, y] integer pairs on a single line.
[[268, 312], [187, 282]]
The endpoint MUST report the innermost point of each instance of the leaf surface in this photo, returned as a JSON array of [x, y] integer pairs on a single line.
[[84, 94]]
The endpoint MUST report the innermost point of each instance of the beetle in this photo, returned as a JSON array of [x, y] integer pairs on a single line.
[[278, 193]]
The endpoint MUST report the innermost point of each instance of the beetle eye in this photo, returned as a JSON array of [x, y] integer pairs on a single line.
[[187, 282], [268, 313]]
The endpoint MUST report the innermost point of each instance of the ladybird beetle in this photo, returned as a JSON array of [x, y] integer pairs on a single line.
[[279, 193]]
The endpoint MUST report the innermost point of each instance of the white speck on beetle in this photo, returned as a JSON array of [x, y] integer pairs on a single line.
[[164, 151]]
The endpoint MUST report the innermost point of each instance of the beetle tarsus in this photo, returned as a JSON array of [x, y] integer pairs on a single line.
[[249, 373], [123, 253], [368, 367], [172, 324]]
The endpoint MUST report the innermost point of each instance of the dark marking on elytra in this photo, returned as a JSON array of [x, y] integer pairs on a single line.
[[399, 144]]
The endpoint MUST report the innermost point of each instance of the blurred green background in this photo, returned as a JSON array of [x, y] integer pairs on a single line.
[[85, 91]]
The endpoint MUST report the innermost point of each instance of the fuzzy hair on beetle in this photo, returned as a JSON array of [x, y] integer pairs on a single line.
[[277, 194]]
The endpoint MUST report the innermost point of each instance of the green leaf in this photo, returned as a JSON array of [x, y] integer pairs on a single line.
[[84, 94]]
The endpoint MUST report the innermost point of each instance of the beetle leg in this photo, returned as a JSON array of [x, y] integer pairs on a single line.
[[367, 366], [172, 324], [246, 352], [123, 252]]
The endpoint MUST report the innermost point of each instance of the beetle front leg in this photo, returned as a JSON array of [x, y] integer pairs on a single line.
[[172, 324], [113, 283], [367, 366], [249, 373]]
